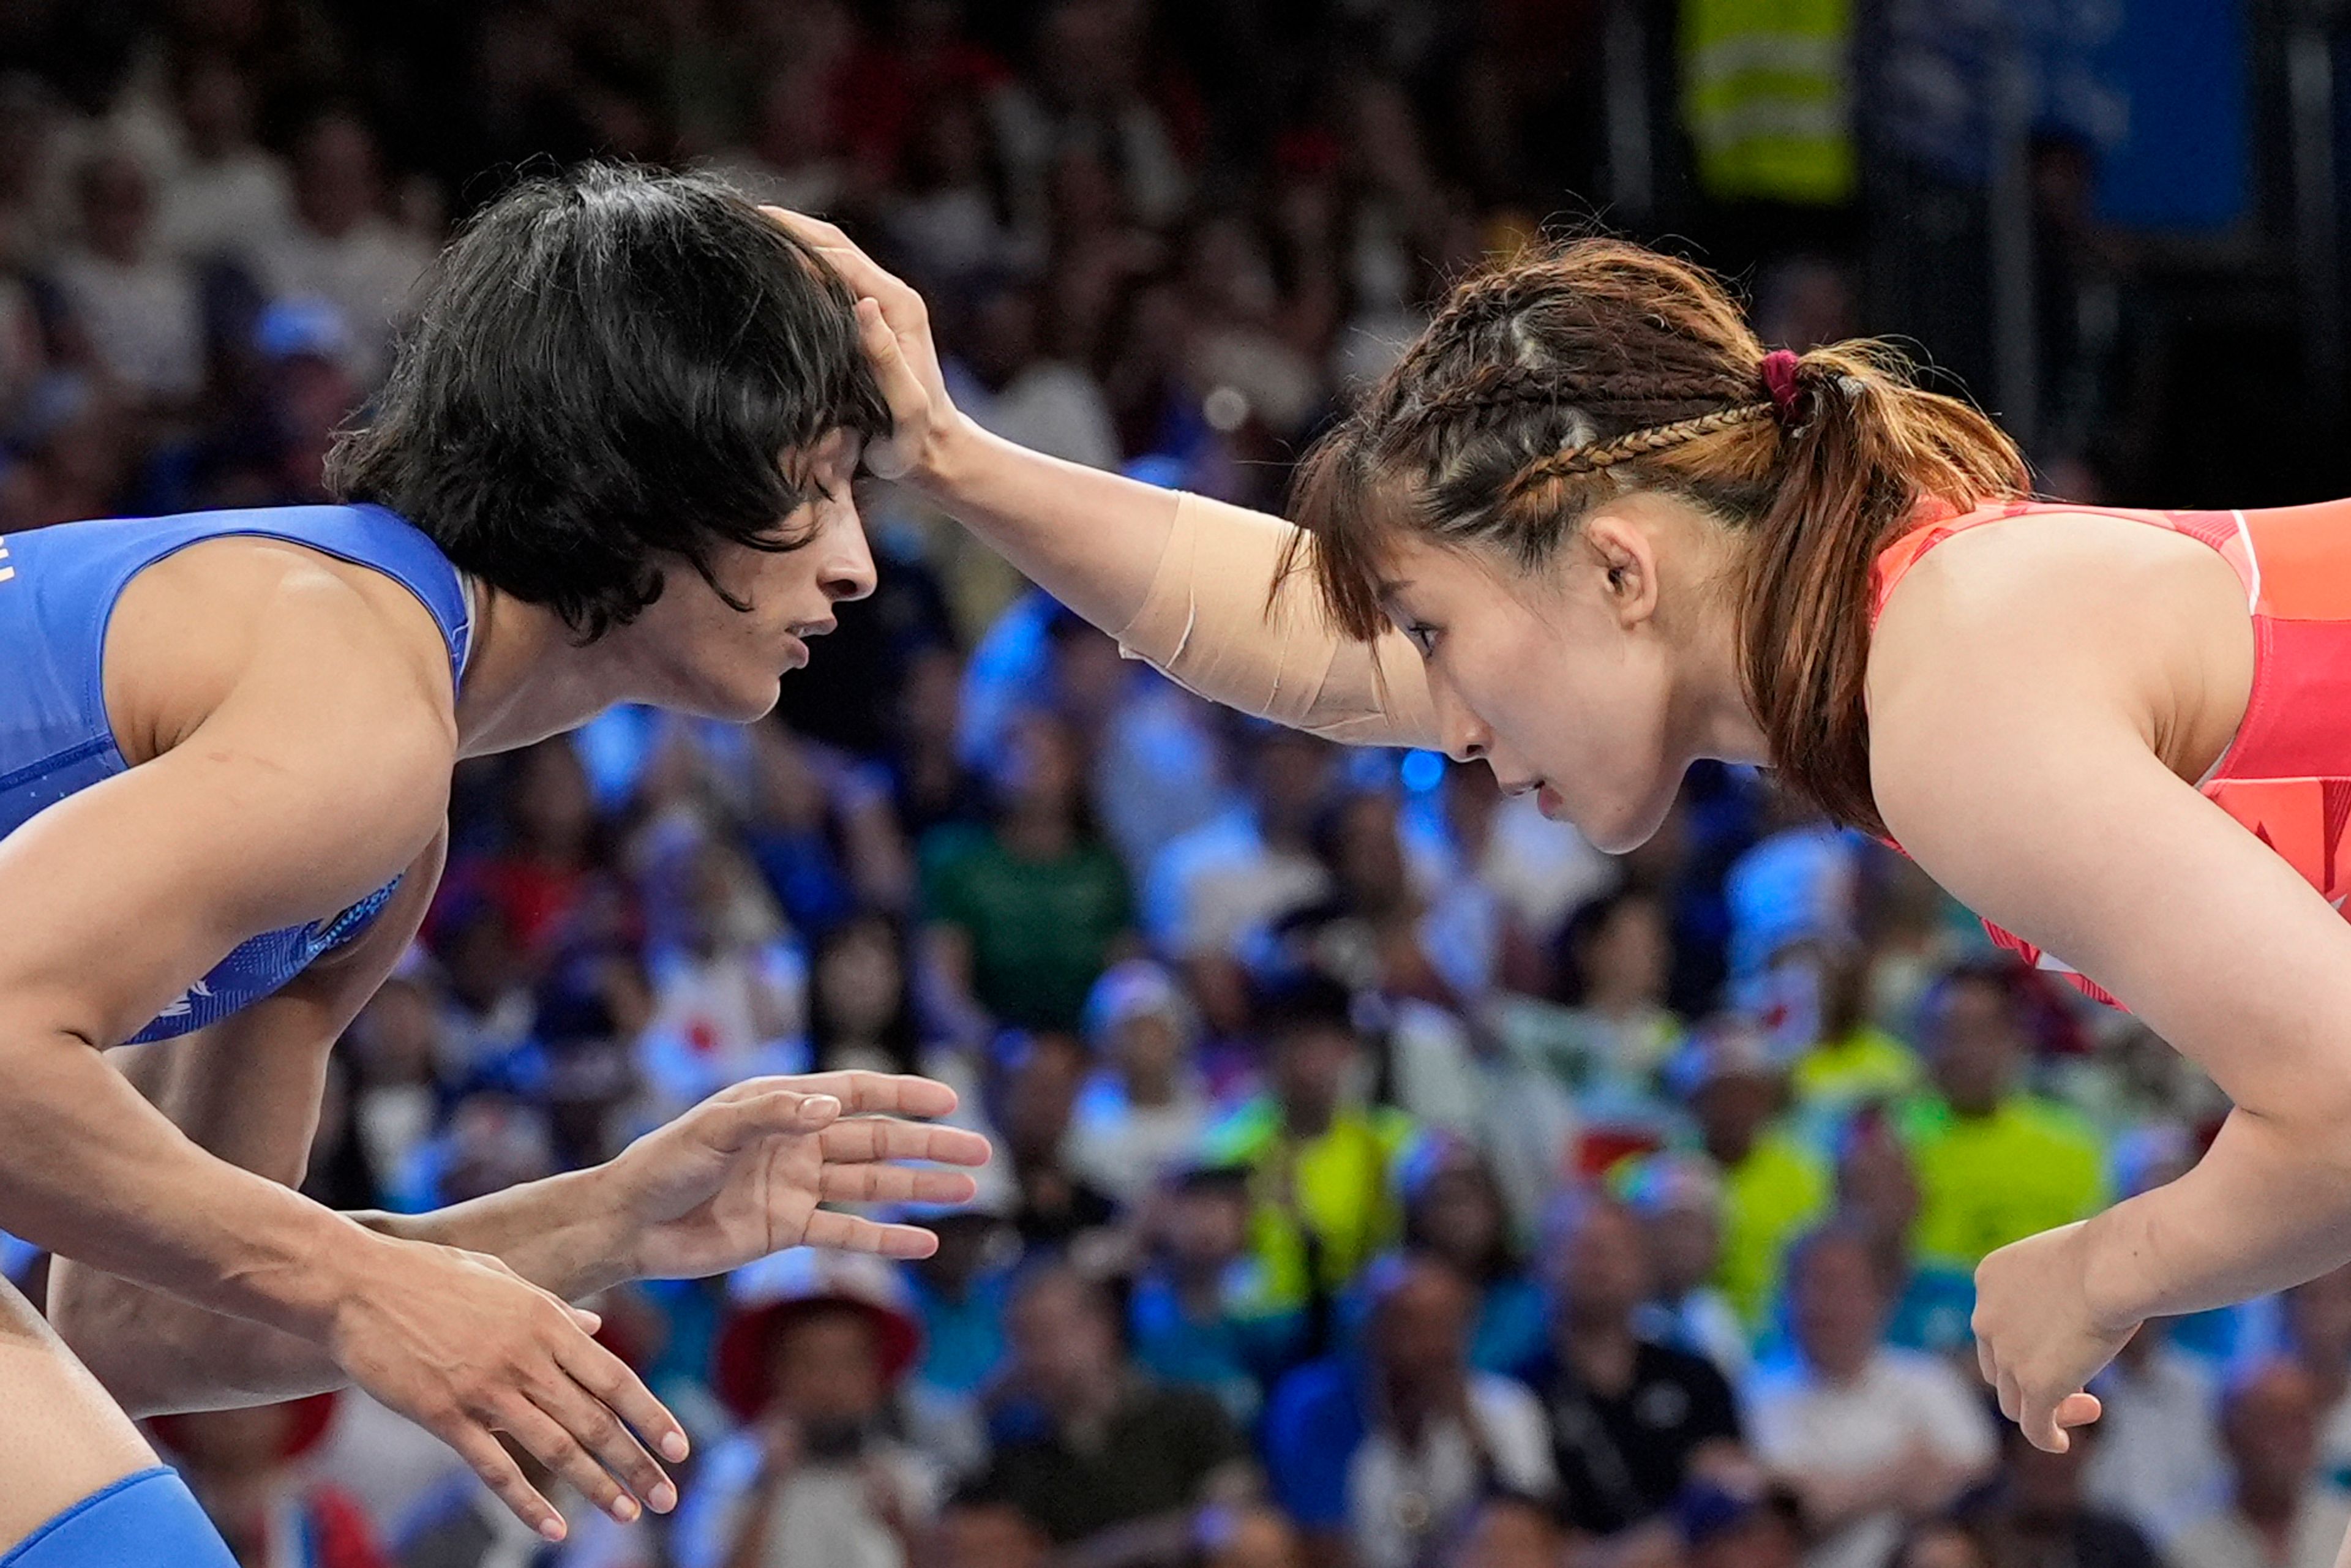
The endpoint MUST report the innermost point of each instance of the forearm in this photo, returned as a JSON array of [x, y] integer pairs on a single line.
[[158, 1353], [1092, 539], [559, 1233], [1189, 585], [2268, 1206], [91, 1171]]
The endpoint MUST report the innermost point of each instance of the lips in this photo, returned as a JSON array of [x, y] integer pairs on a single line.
[[1548, 802]]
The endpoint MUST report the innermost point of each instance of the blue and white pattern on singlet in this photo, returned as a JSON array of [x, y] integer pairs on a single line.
[[58, 587]]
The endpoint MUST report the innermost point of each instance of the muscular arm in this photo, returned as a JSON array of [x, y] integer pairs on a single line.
[[2018, 766], [247, 1089], [280, 807]]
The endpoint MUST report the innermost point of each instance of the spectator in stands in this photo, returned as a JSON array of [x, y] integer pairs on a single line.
[[2035, 1511], [554, 845], [1033, 1088], [1632, 1421], [1613, 1035], [340, 247], [1146, 1104], [1199, 1313], [1026, 912], [1453, 1211], [1996, 1163], [227, 194], [137, 302], [810, 1362], [1866, 1436], [1877, 1193], [1322, 1160], [806, 846], [1773, 1185], [1678, 1197], [2317, 1322], [2158, 1460], [1115, 1465], [1375, 1453], [959, 1294], [729, 981], [1223, 879], [2279, 1512], [861, 1008], [1848, 1061], [243, 1465]]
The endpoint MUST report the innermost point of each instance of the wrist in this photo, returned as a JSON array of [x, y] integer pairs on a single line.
[[589, 1232], [952, 452], [2108, 1270]]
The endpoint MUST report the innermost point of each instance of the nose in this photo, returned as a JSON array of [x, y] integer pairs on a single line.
[[848, 570], [1462, 732]]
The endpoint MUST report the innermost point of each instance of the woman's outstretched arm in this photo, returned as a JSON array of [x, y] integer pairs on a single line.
[[1184, 582]]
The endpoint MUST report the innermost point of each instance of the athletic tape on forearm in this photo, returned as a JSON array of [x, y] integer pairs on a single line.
[[1206, 625]]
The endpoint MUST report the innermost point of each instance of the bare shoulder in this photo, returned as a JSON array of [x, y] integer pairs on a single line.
[[323, 671], [2052, 618], [234, 614]]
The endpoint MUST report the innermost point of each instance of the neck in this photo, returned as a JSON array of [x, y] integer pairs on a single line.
[[526, 678], [1710, 712]]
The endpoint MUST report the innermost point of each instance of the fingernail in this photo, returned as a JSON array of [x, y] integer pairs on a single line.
[[626, 1511], [820, 1105], [674, 1446], [552, 1528], [664, 1497]]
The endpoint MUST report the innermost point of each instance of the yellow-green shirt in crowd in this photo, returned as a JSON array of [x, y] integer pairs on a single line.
[[2030, 1165], [1768, 1200], [1338, 1186], [1864, 1065]]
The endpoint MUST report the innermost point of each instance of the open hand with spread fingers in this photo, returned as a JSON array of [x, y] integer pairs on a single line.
[[745, 1172]]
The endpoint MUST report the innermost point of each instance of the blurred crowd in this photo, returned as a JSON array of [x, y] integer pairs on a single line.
[[1385, 1178]]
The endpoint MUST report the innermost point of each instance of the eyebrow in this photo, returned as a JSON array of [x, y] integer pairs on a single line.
[[1387, 590]]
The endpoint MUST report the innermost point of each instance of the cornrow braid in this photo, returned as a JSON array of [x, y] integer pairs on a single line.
[[1569, 462], [1518, 386]]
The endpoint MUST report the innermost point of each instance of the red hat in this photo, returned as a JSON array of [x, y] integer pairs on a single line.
[[765, 1295]]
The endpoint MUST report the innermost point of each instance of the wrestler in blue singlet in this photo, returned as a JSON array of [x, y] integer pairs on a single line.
[[58, 588]]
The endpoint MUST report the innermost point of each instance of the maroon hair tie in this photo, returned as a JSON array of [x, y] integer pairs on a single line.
[[1779, 380]]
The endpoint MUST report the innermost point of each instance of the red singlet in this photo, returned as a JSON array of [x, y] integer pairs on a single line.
[[2286, 777]]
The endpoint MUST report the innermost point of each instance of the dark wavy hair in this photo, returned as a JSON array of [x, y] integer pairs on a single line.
[[614, 371]]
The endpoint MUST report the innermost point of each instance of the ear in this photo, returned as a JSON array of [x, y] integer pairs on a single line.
[[1627, 560]]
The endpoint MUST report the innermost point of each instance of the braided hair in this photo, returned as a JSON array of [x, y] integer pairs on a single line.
[[1578, 371]]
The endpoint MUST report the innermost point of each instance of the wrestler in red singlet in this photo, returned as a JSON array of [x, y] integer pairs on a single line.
[[2287, 774]]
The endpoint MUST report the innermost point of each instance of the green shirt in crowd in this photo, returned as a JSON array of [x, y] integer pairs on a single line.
[[1040, 930], [2030, 1165]]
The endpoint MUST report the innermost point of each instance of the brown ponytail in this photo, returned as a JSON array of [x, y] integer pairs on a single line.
[[1566, 376]]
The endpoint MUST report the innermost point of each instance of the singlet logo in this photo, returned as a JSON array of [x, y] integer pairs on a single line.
[[6, 571], [187, 1002]]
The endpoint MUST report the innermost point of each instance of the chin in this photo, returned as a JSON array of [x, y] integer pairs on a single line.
[[746, 704], [1628, 825]]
